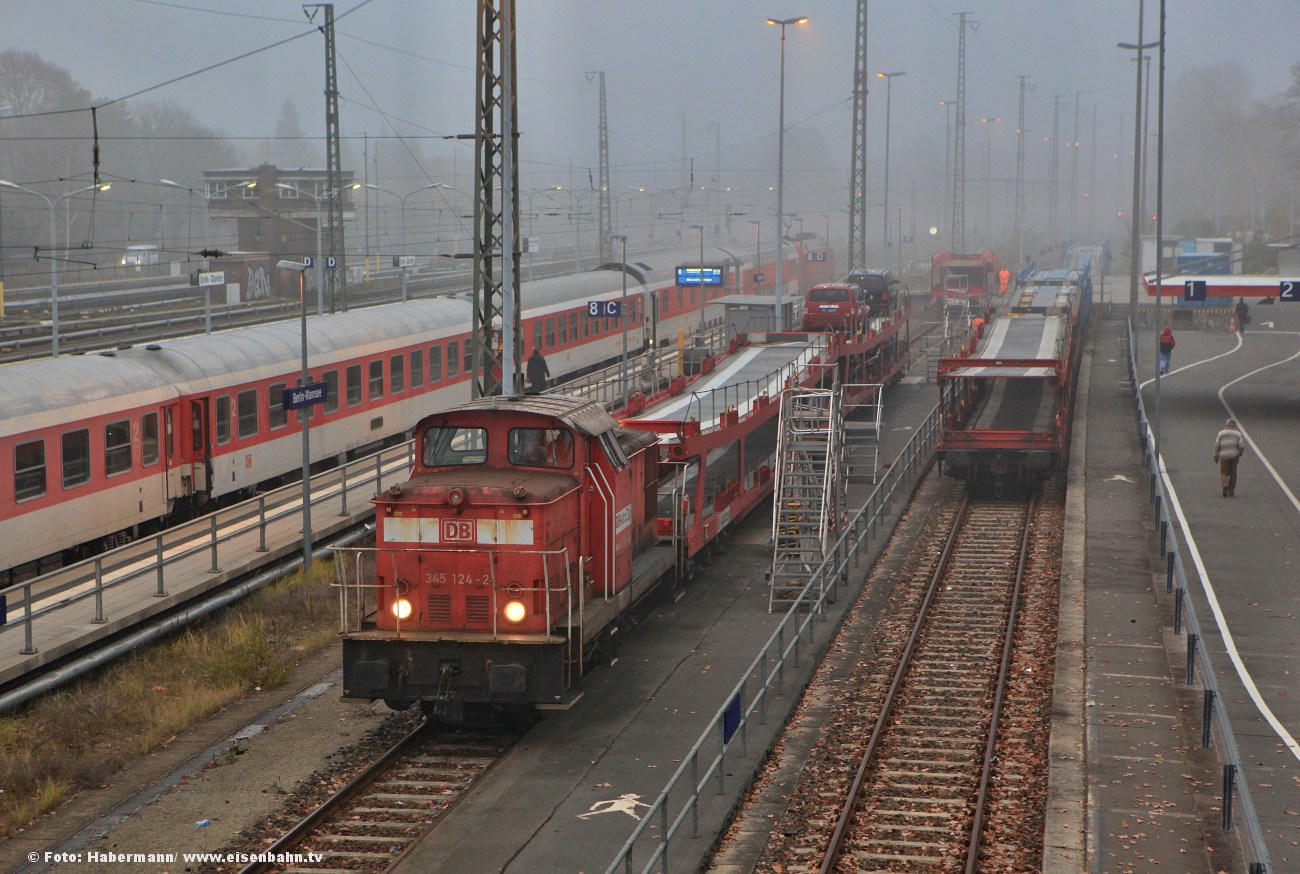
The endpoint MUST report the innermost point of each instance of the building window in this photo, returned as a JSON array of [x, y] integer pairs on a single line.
[[277, 416], [397, 374], [29, 470], [435, 365], [290, 192], [354, 384], [417, 368], [331, 390], [117, 447], [453, 358], [376, 379], [75, 446], [149, 439], [246, 409], [223, 420]]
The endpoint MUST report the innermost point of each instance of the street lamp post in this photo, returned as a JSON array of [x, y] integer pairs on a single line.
[[53, 203], [889, 87], [988, 177], [621, 239], [1135, 241], [304, 414], [700, 228], [758, 249], [780, 168]]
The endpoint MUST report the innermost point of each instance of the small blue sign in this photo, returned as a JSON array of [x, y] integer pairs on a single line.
[[699, 275], [304, 396], [605, 309], [1288, 289], [1194, 289]]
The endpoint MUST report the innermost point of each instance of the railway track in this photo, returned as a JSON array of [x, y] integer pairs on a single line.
[[932, 757], [370, 821]]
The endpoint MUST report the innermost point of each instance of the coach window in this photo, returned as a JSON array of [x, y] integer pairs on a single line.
[[417, 368], [435, 365], [354, 384], [444, 447], [331, 391], [75, 448], [537, 333], [246, 409], [550, 333], [148, 439], [117, 447], [573, 327], [29, 470], [223, 420], [277, 416], [469, 357], [453, 358], [397, 374], [585, 322], [564, 329], [376, 379]]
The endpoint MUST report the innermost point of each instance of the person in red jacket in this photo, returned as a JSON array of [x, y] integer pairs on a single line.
[[1166, 348]]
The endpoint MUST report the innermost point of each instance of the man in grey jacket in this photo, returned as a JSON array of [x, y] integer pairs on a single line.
[[1229, 446]]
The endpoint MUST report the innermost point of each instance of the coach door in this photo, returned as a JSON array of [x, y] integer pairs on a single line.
[[178, 470], [200, 447]]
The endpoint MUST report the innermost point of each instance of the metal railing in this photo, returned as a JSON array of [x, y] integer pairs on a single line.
[[83, 585], [707, 760], [648, 372], [1213, 716], [709, 404]]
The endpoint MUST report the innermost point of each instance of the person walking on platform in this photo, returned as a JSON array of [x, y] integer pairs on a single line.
[[537, 372], [1166, 348], [1229, 446], [1243, 318]]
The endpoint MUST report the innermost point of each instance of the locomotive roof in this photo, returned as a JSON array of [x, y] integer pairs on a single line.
[[587, 416]]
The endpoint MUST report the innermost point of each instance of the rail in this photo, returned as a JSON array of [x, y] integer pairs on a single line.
[[1198, 657], [706, 761]]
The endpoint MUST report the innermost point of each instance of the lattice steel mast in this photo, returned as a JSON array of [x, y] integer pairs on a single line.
[[336, 279], [857, 257], [496, 178], [959, 144]]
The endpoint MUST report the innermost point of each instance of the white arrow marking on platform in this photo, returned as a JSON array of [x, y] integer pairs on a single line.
[[1119, 477]]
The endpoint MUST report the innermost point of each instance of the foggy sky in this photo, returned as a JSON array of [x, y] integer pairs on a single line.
[[707, 61]]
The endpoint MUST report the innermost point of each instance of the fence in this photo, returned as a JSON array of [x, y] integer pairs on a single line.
[[706, 762], [1213, 717]]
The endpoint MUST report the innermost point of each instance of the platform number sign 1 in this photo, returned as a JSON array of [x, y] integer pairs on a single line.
[[1288, 289], [1194, 289], [605, 309]]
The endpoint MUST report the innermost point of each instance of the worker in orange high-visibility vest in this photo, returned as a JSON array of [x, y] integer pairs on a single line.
[[1004, 279]]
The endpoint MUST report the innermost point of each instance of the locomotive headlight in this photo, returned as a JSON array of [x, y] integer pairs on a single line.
[[401, 609], [515, 611], [456, 497]]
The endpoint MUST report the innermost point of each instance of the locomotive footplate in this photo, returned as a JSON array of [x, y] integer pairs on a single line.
[[431, 669]]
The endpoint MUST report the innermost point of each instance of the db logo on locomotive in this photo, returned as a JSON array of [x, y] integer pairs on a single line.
[[458, 531]]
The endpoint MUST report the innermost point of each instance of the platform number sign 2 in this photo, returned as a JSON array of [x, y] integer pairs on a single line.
[[605, 309], [1288, 289]]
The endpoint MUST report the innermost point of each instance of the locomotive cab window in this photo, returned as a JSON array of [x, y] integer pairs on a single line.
[[29, 470], [117, 447], [75, 447], [452, 446], [541, 447]]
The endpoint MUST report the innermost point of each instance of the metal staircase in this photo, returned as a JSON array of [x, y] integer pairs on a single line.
[[861, 438], [810, 488]]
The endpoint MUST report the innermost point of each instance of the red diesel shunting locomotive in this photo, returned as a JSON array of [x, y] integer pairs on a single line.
[[493, 582]]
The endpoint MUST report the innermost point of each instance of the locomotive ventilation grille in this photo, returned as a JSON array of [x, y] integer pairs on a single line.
[[478, 609], [440, 608]]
